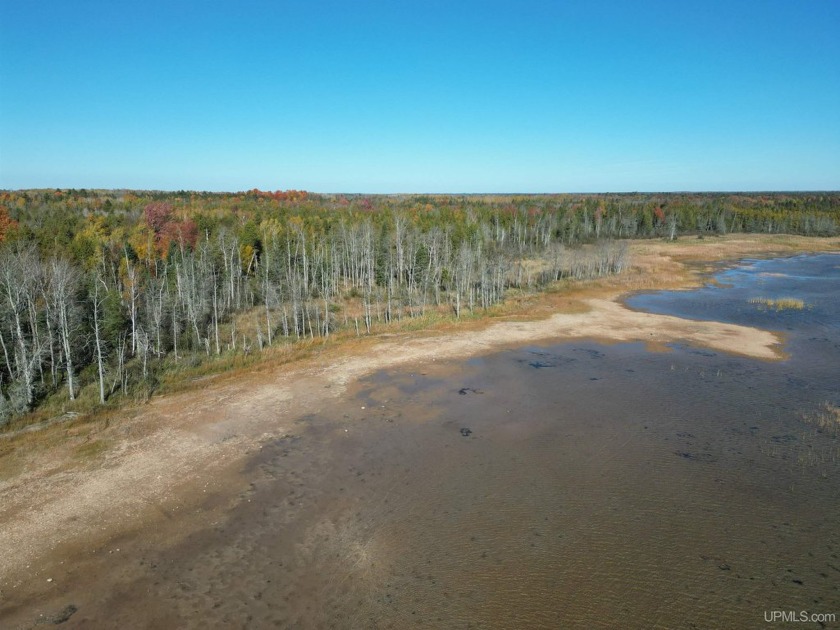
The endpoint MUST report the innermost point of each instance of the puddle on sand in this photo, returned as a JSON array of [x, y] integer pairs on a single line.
[[575, 485]]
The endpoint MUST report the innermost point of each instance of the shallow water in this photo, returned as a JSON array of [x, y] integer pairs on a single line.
[[573, 485]]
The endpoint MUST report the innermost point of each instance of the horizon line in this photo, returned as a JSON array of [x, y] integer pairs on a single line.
[[429, 193]]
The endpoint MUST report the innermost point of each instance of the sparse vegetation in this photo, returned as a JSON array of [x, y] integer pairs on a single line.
[[826, 419], [780, 304], [816, 447], [91, 449]]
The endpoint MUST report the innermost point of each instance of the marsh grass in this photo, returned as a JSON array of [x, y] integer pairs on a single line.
[[814, 448], [826, 419], [818, 447], [823, 456], [782, 304]]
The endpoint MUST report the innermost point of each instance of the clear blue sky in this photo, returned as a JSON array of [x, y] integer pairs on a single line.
[[421, 95]]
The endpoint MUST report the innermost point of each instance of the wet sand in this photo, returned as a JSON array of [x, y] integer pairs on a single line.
[[506, 492], [332, 525]]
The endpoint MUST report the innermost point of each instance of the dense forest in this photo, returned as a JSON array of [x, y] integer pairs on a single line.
[[101, 292]]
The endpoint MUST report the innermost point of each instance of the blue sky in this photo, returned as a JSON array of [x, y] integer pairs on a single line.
[[421, 96]]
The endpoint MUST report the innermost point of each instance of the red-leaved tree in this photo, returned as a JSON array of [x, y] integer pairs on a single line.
[[158, 214]]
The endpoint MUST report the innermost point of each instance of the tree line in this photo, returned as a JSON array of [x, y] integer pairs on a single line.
[[102, 292]]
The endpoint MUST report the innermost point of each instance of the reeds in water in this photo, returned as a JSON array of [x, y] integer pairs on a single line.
[[782, 304]]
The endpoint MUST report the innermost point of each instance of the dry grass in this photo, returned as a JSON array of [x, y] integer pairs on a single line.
[[92, 449]]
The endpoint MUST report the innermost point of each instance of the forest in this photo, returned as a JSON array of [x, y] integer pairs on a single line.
[[103, 292]]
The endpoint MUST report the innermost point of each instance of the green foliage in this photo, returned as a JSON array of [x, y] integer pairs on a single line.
[[114, 318]]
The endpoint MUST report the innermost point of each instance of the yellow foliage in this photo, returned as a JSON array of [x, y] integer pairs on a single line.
[[142, 241], [246, 255], [271, 228]]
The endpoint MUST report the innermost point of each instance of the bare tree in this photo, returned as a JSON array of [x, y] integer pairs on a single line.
[[17, 270], [98, 298], [62, 286]]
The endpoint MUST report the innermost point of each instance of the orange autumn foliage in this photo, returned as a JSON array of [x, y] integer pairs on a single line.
[[7, 223]]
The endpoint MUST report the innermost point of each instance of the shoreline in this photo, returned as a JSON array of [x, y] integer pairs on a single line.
[[173, 465]]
